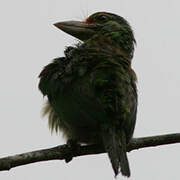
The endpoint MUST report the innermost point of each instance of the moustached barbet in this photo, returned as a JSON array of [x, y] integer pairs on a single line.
[[91, 91]]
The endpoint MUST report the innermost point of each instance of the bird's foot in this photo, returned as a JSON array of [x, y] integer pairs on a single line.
[[74, 146]]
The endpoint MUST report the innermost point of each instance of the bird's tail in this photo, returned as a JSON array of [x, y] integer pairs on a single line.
[[115, 145]]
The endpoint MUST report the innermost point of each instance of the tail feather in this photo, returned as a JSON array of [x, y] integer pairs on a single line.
[[115, 145]]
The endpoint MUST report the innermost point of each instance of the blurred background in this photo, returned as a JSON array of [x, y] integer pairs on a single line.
[[29, 41]]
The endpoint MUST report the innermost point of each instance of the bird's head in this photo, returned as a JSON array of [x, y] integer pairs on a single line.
[[108, 26]]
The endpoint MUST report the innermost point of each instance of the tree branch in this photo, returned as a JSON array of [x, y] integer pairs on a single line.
[[65, 151]]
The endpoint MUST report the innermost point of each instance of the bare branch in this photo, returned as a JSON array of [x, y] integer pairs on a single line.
[[65, 151]]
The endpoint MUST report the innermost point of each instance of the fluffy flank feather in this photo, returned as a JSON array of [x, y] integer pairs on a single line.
[[54, 121]]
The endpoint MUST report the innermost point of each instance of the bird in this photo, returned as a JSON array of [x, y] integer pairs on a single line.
[[91, 91]]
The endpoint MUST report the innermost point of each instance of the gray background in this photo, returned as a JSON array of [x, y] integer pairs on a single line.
[[28, 41]]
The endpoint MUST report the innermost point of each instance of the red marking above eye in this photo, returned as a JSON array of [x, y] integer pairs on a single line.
[[89, 20]]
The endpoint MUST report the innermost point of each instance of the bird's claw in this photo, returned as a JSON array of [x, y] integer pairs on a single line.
[[73, 146]]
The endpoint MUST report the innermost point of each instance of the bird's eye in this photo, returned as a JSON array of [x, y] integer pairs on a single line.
[[102, 18]]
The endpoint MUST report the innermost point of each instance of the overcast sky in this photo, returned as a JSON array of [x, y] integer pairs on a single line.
[[28, 41]]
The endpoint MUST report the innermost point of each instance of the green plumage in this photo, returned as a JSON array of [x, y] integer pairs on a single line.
[[92, 90]]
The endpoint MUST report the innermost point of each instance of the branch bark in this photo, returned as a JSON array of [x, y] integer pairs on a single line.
[[65, 152]]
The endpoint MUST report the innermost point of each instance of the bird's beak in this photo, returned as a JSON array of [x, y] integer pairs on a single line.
[[80, 30]]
